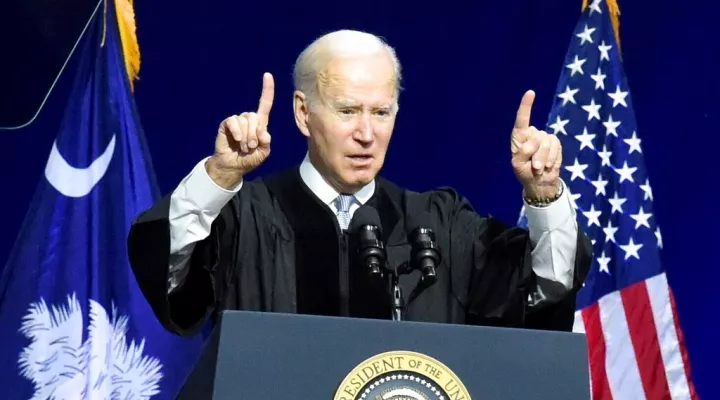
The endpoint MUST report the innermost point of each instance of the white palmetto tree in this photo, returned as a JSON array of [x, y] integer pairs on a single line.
[[104, 366]]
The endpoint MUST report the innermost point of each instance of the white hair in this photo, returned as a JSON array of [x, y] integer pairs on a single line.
[[342, 43]]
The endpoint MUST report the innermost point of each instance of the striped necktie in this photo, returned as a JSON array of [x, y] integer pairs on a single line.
[[342, 203]]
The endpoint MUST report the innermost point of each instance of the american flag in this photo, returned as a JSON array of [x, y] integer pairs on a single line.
[[626, 308]]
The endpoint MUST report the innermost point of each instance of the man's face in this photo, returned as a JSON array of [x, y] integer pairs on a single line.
[[350, 124]]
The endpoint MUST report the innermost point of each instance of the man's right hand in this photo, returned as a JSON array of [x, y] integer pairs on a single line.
[[243, 141]]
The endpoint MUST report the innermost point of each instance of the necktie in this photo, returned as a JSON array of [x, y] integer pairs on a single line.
[[342, 203]]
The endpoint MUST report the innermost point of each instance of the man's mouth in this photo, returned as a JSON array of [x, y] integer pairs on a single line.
[[360, 158]]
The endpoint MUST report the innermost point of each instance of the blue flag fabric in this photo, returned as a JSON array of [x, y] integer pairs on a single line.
[[74, 323]]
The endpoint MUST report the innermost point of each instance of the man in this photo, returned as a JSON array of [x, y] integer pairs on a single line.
[[280, 243]]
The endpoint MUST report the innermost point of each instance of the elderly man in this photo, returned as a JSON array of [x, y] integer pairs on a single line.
[[280, 244]]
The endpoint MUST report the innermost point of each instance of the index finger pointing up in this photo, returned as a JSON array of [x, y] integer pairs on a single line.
[[266, 99], [522, 119]]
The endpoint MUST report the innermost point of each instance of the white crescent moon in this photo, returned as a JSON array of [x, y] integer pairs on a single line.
[[77, 182]]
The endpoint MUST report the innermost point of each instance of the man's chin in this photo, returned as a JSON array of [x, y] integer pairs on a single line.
[[362, 178]]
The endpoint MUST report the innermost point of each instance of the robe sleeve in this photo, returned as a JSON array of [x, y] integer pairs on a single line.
[[185, 310], [491, 260]]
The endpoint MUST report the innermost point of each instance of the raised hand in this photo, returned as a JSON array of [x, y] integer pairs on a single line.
[[243, 141], [536, 155]]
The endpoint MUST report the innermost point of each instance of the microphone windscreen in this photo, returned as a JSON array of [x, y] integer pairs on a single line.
[[365, 215]]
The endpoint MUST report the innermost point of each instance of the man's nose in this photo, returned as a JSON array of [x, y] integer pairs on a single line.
[[364, 131]]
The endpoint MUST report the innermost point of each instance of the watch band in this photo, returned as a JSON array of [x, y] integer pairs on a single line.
[[544, 201]]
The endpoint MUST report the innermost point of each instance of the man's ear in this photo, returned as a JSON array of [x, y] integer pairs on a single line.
[[301, 109]]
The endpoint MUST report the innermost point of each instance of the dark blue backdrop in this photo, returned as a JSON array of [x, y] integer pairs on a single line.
[[466, 67]]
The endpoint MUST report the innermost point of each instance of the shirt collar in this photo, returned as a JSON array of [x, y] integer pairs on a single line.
[[326, 193]]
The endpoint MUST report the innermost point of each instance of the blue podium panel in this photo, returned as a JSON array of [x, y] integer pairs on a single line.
[[281, 356]]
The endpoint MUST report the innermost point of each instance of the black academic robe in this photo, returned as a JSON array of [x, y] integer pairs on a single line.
[[275, 247]]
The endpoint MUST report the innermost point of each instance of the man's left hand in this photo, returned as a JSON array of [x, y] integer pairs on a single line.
[[536, 155]]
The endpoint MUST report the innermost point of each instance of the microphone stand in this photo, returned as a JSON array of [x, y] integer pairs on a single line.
[[398, 304], [427, 257]]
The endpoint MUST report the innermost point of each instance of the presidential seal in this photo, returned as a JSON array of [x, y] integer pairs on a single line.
[[401, 375]]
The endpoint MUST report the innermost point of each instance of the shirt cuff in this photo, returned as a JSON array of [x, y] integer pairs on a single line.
[[546, 219], [203, 192]]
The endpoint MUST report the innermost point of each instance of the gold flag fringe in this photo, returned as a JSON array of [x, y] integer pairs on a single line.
[[128, 37], [614, 17]]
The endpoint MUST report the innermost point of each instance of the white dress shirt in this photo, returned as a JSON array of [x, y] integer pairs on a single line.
[[197, 201]]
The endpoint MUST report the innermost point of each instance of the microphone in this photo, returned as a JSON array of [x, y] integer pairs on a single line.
[[366, 227], [425, 254]]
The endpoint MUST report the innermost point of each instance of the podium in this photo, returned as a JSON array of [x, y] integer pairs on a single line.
[[273, 356]]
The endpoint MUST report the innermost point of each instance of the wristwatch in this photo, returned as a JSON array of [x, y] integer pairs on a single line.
[[544, 201]]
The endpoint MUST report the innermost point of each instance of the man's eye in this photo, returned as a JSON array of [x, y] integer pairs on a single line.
[[347, 112]]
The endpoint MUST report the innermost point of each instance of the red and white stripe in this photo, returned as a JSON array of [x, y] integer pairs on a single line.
[[635, 344]]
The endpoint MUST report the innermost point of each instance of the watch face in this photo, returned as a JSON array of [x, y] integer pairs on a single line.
[[38, 39]]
